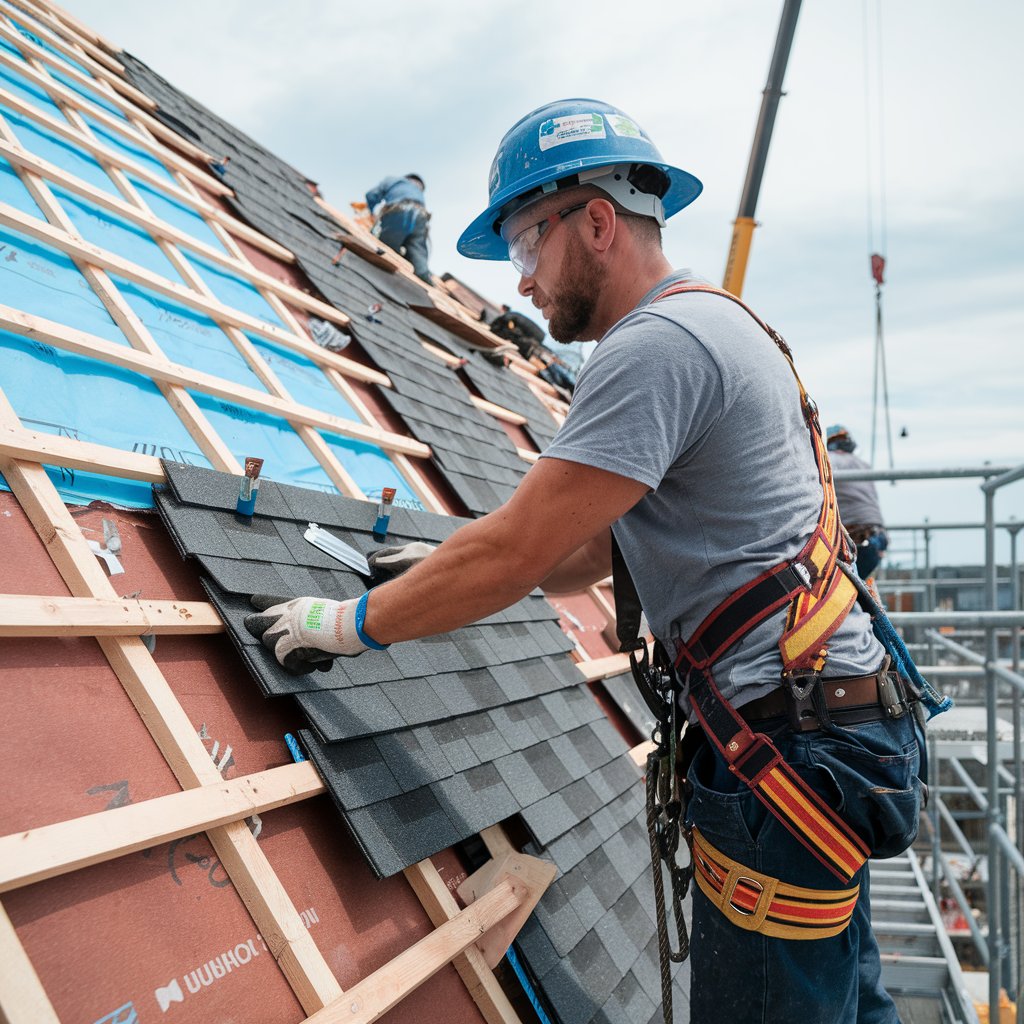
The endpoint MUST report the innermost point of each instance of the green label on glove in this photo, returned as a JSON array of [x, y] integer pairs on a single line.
[[315, 615]]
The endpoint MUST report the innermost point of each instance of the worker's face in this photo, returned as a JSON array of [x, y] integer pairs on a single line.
[[566, 282]]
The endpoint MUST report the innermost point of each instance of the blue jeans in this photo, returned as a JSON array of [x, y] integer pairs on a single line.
[[869, 774], [405, 231]]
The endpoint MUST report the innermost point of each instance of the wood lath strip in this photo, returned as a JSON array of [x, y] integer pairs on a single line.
[[80, 250], [99, 71], [260, 888], [21, 157], [159, 369], [52, 850], [104, 154], [372, 997], [183, 404], [23, 1000], [28, 615], [63, 94]]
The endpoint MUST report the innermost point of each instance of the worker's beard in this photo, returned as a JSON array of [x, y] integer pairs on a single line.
[[574, 302]]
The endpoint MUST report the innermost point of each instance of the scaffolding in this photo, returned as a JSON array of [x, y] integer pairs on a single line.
[[975, 783]]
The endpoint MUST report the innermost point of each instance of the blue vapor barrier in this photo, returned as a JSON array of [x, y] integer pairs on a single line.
[[177, 214], [250, 432], [234, 291], [39, 280], [63, 154], [128, 144], [368, 465], [14, 193], [60, 393], [22, 88], [121, 237], [87, 92], [63, 58], [188, 337]]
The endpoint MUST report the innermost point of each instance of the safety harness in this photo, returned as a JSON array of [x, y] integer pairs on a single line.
[[819, 595]]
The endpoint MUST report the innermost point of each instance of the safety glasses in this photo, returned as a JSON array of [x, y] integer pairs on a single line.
[[524, 249]]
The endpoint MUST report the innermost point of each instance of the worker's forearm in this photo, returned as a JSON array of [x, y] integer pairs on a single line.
[[473, 574], [585, 566]]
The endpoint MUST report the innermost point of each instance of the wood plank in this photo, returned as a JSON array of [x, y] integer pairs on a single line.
[[78, 249], [372, 997], [22, 997], [478, 978], [157, 369], [499, 412], [62, 93], [207, 439], [526, 455], [20, 157], [29, 615], [52, 450], [602, 668], [104, 154], [52, 850], [534, 873], [260, 888], [99, 71]]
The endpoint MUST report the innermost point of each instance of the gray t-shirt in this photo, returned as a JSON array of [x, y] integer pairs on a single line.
[[692, 398], [858, 499]]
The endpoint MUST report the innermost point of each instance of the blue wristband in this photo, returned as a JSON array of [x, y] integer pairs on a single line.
[[360, 619]]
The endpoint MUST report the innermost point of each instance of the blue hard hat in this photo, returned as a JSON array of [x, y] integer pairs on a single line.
[[563, 143]]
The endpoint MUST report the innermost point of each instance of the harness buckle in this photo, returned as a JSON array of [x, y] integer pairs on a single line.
[[752, 883], [799, 686]]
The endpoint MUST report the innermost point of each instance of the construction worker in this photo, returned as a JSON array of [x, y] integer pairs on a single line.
[[519, 329], [402, 219], [690, 444], [858, 502]]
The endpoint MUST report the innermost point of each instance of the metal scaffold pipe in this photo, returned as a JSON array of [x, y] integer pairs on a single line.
[[956, 472]]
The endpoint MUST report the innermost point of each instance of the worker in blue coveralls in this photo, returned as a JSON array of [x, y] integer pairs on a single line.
[[690, 444], [402, 219], [858, 502]]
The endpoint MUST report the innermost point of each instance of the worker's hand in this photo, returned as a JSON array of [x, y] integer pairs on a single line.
[[387, 563], [305, 633]]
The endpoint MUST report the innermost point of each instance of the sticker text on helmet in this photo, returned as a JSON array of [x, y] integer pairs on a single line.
[[624, 126], [557, 131]]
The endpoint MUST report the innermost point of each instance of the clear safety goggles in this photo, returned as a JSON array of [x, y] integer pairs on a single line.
[[524, 248]]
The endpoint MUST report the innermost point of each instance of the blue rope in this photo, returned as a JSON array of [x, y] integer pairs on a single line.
[[527, 987]]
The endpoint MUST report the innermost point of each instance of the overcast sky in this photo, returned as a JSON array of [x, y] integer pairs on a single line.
[[431, 88]]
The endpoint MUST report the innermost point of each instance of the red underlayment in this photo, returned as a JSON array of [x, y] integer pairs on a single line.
[[163, 931]]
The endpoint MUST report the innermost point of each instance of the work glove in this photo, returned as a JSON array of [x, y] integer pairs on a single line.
[[306, 633], [387, 563]]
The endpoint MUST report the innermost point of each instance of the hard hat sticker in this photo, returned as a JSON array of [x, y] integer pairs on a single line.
[[577, 128], [624, 126]]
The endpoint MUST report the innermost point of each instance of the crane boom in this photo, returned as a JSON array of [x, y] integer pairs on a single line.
[[743, 227]]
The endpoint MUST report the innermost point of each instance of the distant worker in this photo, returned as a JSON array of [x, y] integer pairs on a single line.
[[858, 502], [402, 219], [519, 329]]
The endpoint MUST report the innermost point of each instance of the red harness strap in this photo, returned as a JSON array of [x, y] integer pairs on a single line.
[[819, 596]]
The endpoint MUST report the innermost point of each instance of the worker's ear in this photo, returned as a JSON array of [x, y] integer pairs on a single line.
[[600, 221]]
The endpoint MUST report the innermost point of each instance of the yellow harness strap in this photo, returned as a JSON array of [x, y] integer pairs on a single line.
[[759, 903]]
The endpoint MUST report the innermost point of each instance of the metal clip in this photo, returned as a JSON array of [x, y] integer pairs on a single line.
[[799, 687], [890, 695]]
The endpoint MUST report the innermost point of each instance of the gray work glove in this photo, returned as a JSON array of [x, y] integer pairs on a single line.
[[387, 563], [305, 633]]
